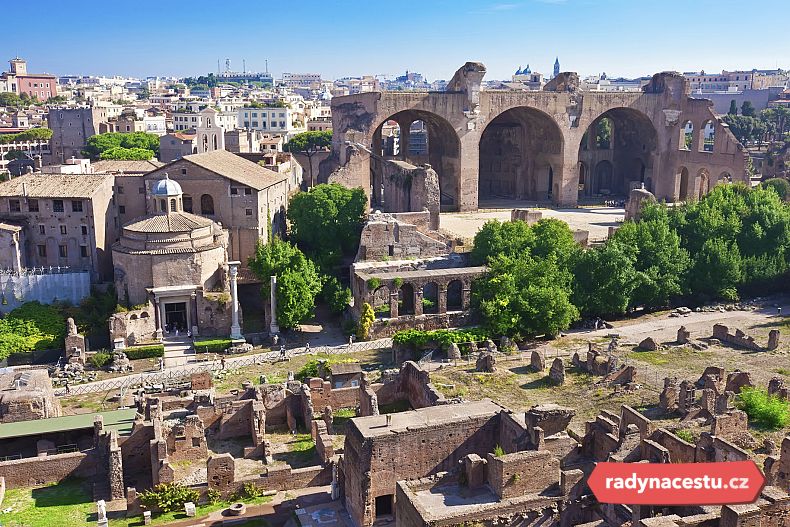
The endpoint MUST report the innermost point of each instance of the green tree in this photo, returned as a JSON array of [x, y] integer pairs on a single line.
[[128, 154], [10, 99], [326, 222], [336, 295], [298, 282], [310, 143], [733, 108], [508, 238], [747, 109], [779, 185], [525, 296], [15, 154], [604, 280], [717, 270], [659, 260], [100, 143], [366, 319]]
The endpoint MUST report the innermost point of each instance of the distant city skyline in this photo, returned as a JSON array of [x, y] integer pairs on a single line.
[[434, 37]]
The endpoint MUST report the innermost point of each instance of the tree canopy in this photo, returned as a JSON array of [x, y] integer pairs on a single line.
[[326, 222], [100, 143], [298, 283], [34, 134], [128, 154]]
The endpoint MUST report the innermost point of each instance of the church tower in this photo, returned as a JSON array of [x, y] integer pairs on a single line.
[[556, 66]]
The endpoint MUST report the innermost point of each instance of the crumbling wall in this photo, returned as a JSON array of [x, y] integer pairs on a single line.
[[415, 386], [39, 471], [519, 473]]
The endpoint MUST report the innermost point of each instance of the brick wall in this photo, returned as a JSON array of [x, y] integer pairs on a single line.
[[520, 473], [39, 471]]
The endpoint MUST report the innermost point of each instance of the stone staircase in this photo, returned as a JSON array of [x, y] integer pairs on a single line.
[[178, 351]]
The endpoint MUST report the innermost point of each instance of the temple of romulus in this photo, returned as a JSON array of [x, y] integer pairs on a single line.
[[560, 144]]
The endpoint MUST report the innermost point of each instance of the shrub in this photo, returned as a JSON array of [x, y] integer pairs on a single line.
[[145, 352], [251, 490], [686, 435], [366, 320], [768, 411], [213, 345], [32, 326], [310, 369], [499, 451], [397, 282], [213, 496], [442, 338], [168, 497], [99, 360], [373, 283]]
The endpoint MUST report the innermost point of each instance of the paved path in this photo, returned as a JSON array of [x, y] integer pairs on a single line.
[[230, 362]]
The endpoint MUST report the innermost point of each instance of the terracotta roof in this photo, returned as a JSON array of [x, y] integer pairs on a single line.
[[173, 222], [54, 185], [113, 165], [236, 168]]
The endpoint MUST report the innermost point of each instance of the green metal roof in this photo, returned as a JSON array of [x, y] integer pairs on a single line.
[[120, 420]]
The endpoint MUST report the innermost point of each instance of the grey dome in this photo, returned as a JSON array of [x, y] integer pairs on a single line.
[[166, 187]]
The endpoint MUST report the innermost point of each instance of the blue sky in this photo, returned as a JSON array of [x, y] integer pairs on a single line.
[[353, 37]]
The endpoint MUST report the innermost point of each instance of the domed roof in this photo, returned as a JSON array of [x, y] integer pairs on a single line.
[[175, 222], [166, 187]]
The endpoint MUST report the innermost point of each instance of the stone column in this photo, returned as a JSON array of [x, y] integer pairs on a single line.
[[466, 295], [442, 298], [469, 169], [417, 300], [160, 311], [403, 140], [235, 328], [273, 327], [394, 304]]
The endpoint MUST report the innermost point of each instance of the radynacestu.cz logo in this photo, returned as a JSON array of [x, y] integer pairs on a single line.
[[720, 483]]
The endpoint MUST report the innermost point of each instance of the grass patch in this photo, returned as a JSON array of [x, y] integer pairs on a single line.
[[783, 371], [200, 511], [765, 410]]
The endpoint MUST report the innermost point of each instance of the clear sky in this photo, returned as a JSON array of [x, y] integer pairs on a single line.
[[354, 37]]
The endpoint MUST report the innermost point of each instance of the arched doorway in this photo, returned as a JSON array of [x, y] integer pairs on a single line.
[[455, 296], [207, 205], [684, 183], [406, 300], [430, 298], [618, 146], [436, 143], [520, 157], [381, 302]]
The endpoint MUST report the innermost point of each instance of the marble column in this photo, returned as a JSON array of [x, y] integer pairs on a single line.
[[273, 327], [160, 318], [235, 328]]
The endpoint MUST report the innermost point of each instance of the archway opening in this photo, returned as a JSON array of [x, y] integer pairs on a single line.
[[618, 148], [207, 205], [406, 300], [520, 157], [687, 135], [430, 298], [708, 135], [455, 299], [381, 302], [684, 183], [434, 141]]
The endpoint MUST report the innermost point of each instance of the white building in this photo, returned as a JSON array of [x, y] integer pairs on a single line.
[[271, 119]]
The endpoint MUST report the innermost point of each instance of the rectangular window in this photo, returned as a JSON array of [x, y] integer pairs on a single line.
[[247, 191], [141, 190], [63, 251], [42, 251], [248, 212], [183, 171], [76, 205], [42, 229], [121, 209], [57, 205], [84, 229], [234, 191], [32, 205], [84, 251], [63, 229], [120, 189], [14, 205]]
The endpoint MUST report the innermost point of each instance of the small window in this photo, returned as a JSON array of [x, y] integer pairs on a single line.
[[84, 229], [32, 205], [247, 191], [42, 251], [234, 191], [42, 229], [248, 212], [196, 442], [57, 205], [183, 171], [63, 229], [173, 207], [141, 190], [76, 206], [14, 205], [63, 251], [120, 189], [83, 251], [121, 209]]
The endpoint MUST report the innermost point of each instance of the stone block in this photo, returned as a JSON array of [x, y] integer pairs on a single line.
[[537, 362], [649, 344], [557, 371]]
